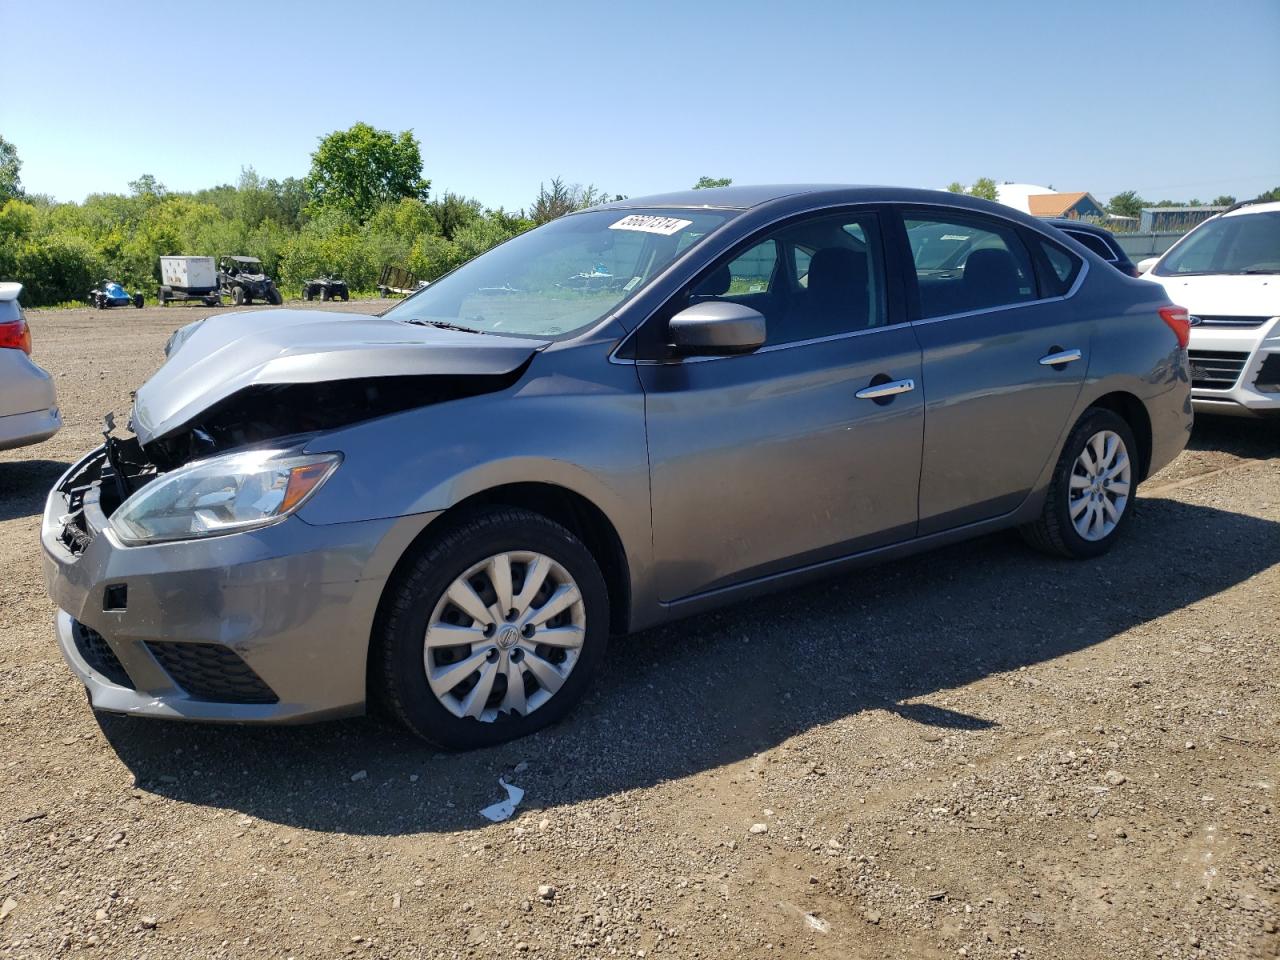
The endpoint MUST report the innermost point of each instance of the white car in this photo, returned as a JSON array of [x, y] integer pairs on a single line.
[[1226, 272], [28, 402]]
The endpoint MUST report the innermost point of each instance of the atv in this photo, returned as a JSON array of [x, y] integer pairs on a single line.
[[243, 280], [326, 288], [111, 294]]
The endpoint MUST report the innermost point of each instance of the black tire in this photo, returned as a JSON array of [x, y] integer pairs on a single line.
[[308, 293], [137, 300], [238, 296], [1053, 532], [325, 296], [397, 672], [274, 298], [212, 302], [161, 300]]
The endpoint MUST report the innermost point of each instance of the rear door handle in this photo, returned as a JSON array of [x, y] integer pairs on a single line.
[[1059, 358], [881, 390]]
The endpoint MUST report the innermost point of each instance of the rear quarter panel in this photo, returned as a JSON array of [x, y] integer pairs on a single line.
[[1135, 352], [24, 387]]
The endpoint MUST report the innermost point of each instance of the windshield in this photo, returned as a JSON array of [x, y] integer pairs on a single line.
[[1245, 243], [562, 276]]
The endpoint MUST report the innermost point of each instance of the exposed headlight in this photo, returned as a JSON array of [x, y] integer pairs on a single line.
[[240, 491]]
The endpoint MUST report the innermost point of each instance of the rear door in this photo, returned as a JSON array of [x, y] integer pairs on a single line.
[[1004, 356], [805, 450]]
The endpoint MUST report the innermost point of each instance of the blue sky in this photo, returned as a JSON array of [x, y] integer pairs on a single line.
[[1173, 99]]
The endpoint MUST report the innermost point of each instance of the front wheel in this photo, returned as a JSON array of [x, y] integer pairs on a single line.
[[238, 296], [137, 300], [273, 297], [1091, 493], [492, 631]]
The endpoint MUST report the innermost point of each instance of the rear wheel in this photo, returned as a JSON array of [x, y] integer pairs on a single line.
[[492, 631], [1091, 494], [273, 297], [137, 300]]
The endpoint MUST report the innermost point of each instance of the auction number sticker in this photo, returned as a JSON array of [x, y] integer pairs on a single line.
[[647, 223]]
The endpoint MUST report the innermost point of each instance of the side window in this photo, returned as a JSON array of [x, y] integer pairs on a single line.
[[817, 278], [753, 271], [964, 265], [1063, 268], [1096, 244]]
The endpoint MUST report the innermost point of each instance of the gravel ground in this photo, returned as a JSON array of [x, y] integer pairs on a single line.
[[979, 752]]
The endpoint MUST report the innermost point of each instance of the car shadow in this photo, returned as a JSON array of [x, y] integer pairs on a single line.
[[1246, 437], [718, 688], [24, 485]]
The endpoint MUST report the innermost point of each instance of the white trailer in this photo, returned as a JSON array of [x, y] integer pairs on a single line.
[[189, 278]]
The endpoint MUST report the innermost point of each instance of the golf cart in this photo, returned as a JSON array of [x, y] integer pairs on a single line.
[[243, 280], [110, 294]]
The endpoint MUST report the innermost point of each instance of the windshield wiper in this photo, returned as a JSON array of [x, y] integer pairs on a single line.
[[1248, 272], [443, 325]]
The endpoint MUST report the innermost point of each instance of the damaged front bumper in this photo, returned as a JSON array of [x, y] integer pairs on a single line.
[[269, 625]]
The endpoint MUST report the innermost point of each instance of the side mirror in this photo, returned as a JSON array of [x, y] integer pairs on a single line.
[[1144, 266], [717, 328]]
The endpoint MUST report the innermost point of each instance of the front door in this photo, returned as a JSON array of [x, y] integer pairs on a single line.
[[805, 450]]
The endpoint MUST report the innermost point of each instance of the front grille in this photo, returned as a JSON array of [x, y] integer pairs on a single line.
[[1268, 379], [1216, 369], [97, 653], [212, 672], [1228, 320]]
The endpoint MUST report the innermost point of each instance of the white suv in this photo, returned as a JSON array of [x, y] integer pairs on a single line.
[[1226, 272]]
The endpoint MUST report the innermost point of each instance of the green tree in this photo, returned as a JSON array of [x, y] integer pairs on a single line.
[[705, 182], [1225, 200], [10, 167], [1272, 194], [358, 169], [1127, 203], [955, 186], [562, 199], [451, 212], [147, 186], [985, 188]]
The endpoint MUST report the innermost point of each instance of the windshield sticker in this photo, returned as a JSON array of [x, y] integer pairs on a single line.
[[646, 223], [631, 284], [954, 236]]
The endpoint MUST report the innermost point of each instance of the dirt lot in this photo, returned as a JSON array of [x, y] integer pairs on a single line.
[[980, 752]]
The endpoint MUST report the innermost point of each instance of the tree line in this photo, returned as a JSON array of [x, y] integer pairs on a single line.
[[364, 204]]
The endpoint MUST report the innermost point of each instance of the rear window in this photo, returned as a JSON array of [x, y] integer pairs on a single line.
[[9, 311], [1092, 242]]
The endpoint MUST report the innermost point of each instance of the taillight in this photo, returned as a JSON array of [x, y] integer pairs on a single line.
[[1179, 322], [15, 335]]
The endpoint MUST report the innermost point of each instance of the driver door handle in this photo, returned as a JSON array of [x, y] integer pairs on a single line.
[[881, 390], [1062, 356]]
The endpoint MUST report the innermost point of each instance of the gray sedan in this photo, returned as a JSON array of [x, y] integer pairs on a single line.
[[629, 415], [28, 402]]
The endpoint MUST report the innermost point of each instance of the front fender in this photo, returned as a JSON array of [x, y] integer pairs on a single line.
[[581, 431]]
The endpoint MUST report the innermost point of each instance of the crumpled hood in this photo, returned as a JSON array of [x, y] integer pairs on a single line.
[[215, 358]]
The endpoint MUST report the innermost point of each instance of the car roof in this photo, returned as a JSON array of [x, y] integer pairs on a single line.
[[1253, 206], [746, 197], [245, 259], [9, 291]]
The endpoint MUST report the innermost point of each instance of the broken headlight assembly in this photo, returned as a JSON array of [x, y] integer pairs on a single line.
[[227, 494]]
